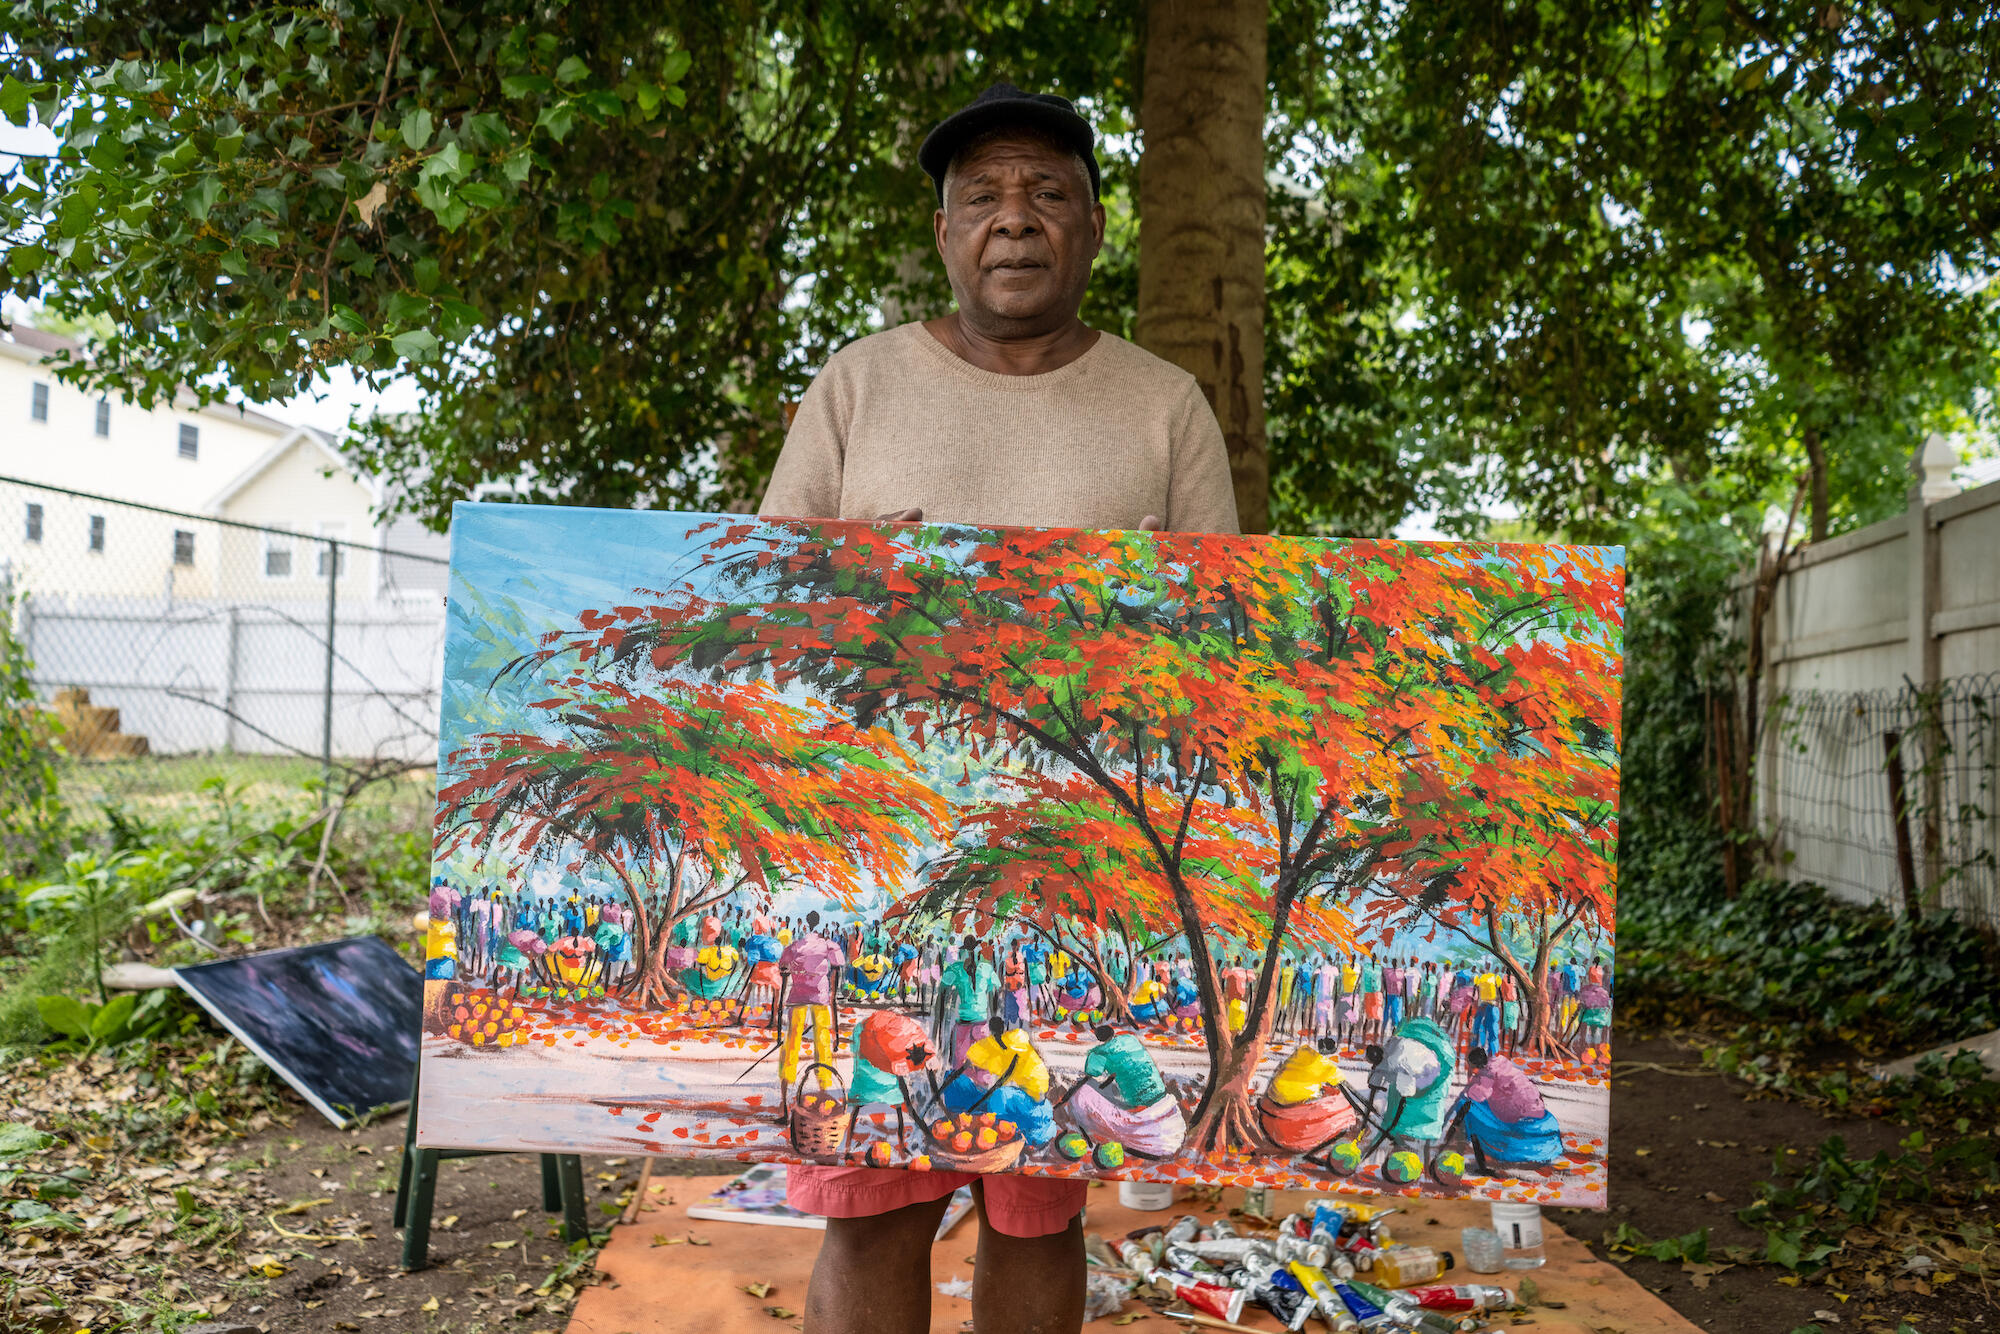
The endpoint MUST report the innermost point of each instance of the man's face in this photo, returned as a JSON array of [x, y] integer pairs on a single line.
[[1018, 233]]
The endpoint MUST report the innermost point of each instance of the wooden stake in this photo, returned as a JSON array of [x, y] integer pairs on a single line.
[[639, 1193]]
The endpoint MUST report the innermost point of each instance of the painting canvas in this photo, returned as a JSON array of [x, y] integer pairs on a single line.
[[337, 1020], [1253, 860]]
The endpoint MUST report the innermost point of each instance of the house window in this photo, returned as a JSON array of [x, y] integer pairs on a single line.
[[104, 416], [190, 441], [330, 553], [97, 532], [38, 402], [277, 556], [183, 547], [34, 522]]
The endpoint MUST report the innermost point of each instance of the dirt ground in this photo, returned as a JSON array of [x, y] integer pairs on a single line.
[[1688, 1148]]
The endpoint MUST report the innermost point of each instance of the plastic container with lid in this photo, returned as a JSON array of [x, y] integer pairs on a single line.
[[1520, 1229]]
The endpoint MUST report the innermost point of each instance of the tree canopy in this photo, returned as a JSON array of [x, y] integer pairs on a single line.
[[1557, 254]]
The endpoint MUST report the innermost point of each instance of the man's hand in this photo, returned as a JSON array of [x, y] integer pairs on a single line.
[[903, 516]]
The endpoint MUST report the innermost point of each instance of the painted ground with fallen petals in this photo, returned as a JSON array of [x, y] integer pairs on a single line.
[[686, 1083]]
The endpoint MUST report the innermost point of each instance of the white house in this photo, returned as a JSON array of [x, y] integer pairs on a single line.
[[217, 461], [173, 566]]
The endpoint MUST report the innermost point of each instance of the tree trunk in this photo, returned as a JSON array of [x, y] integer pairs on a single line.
[[1822, 488], [1201, 218]]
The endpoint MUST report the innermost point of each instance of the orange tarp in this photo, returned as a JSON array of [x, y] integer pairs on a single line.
[[670, 1289]]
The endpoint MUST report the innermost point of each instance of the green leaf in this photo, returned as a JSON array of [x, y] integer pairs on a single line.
[[24, 259], [416, 129], [107, 1026], [557, 120], [201, 199], [676, 65], [572, 70], [415, 344], [14, 98], [227, 147], [1751, 77], [18, 1138], [65, 1015], [526, 85]]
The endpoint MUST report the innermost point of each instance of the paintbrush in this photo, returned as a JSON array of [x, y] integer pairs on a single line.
[[1211, 1322]]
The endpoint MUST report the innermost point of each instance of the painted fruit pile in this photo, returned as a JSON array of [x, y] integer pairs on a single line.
[[972, 1132], [483, 1021]]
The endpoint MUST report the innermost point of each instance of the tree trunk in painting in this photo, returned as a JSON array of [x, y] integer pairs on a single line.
[[1201, 218], [1532, 984], [1229, 1117]]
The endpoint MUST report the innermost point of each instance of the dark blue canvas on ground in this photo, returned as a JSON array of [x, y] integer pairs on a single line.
[[338, 1021]]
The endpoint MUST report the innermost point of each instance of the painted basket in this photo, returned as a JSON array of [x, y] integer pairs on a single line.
[[815, 1133], [996, 1159]]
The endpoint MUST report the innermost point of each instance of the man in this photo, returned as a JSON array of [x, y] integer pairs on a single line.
[[1123, 1097], [808, 985], [971, 982], [1008, 410]]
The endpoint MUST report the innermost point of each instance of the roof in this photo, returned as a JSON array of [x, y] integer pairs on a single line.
[[24, 343], [295, 436]]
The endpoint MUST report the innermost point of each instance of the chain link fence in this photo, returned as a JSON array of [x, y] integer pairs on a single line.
[[1888, 796], [177, 648]]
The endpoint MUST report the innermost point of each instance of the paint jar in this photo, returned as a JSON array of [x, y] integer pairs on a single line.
[[1483, 1253], [1149, 1195], [1520, 1229]]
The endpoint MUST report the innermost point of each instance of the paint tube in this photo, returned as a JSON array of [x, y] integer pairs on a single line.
[[1470, 1297], [1137, 1258], [1216, 1299], [1322, 1292], [1367, 1315], [1305, 1250], [1291, 1306], [1222, 1229], [1183, 1230], [1186, 1260], [1400, 1306], [1225, 1250], [1303, 1305]]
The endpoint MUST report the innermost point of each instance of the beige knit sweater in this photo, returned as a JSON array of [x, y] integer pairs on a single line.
[[897, 420]]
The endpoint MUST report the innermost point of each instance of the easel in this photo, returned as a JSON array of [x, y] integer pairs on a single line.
[[416, 1188]]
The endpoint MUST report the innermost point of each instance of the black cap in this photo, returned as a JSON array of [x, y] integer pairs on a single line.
[[1005, 105]]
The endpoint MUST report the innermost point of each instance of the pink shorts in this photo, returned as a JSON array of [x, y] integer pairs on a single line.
[[1019, 1206]]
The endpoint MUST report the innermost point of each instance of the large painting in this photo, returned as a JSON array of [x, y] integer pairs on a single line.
[[1243, 860]]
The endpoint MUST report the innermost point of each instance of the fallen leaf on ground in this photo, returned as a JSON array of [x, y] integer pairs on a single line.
[[757, 1289], [779, 1312]]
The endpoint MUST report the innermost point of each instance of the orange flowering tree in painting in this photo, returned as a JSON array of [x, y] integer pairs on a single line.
[[1056, 856], [686, 793], [1215, 736]]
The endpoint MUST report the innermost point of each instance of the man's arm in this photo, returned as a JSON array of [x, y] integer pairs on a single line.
[[1201, 497], [805, 484]]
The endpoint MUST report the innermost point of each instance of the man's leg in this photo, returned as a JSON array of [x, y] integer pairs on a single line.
[[1027, 1285], [788, 1059], [873, 1275], [822, 1020]]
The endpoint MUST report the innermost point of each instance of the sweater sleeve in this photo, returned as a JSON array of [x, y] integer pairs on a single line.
[[806, 484], [1201, 498]]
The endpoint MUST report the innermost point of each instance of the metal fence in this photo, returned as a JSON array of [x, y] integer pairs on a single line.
[[173, 646], [1889, 796]]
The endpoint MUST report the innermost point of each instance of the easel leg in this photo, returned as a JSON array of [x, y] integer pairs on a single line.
[[417, 1213], [575, 1225], [551, 1185], [408, 1166]]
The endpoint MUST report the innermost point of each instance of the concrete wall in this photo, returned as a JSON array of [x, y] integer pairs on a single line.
[[1892, 631]]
